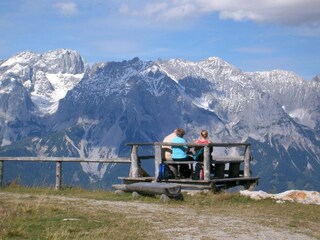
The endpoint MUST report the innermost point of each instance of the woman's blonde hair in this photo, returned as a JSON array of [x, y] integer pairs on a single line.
[[204, 133]]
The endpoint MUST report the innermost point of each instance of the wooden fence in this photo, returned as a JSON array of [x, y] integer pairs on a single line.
[[135, 159]]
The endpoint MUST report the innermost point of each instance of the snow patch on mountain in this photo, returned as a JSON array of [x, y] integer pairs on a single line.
[[303, 116], [21, 59], [47, 98], [210, 69], [47, 77]]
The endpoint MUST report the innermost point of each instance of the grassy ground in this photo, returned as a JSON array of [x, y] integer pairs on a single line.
[[35, 217], [39, 213]]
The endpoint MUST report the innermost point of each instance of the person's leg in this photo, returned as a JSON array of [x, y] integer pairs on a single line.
[[189, 158], [174, 169], [184, 170]]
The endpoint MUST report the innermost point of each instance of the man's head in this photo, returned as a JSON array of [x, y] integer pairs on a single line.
[[180, 132]]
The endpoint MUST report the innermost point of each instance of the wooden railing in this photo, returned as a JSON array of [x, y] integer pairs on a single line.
[[135, 159], [245, 158], [58, 161]]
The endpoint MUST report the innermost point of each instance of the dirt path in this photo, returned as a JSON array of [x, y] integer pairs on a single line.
[[178, 222]]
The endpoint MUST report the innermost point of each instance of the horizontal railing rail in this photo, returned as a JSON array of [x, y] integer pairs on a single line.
[[66, 159], [135, 160]]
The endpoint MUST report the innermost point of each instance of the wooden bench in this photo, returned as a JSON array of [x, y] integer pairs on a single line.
[[234, 166], [219, 166], [219, 172], [171, 162]]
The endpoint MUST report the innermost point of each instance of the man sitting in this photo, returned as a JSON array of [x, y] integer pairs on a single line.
[[179, 153]]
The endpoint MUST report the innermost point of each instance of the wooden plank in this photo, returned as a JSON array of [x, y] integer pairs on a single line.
[[139, 144], [134, 171], [58, 175], [188, 180], [247, 156], [234, 179], [189, 144], [65, 159], [219, 170], [157, 160], [169, 189], [229, 159], [195, 186], [225, 162], [213, 162], [179, 162], [212, 184], [234, 170], [1, 174], [206, 163], [147, 179]]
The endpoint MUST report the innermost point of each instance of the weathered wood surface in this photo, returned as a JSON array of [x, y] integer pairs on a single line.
[[178, 162], [140, 144], [1, 173], [169, 189], [189, 144], [228, 159], [233, 174], [247, 157], [66, 159], [189, 180], [219, 170], [199, 184], [234, 169], [157, 160], [134, 170], [237, 179], [216, 160], [206, 163], [58, 175]]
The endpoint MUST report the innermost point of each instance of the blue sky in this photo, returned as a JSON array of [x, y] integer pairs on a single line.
[[253, 35]]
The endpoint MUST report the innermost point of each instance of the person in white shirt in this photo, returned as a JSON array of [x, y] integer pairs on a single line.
[[167, 150]]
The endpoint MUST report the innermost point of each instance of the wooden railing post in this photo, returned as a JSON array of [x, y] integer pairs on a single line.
[[206, 163], [247, 155], [134, 172], [1, 174], [58, 175], [157, 159]]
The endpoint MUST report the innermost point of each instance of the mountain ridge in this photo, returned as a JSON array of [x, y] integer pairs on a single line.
[[113, 103]]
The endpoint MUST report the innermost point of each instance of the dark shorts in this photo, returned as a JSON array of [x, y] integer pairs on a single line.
[[187, 158], [184, 170]]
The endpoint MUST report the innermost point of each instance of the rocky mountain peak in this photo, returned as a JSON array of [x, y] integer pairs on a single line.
[[216, 62], [46, 77], [317, 78], [23, 58], [63, 61], [132, 100]]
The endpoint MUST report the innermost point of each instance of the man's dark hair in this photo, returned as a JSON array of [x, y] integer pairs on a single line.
[[180, 132]]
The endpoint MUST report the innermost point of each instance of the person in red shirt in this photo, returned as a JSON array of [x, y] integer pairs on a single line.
[[203, 137], [198, 156]]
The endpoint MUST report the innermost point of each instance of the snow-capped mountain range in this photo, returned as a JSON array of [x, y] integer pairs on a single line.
[[55, 104]]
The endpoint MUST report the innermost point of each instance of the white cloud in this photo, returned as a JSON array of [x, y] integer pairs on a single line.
[[285, 12], [152, 9], [66, 8], [124, 9]]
